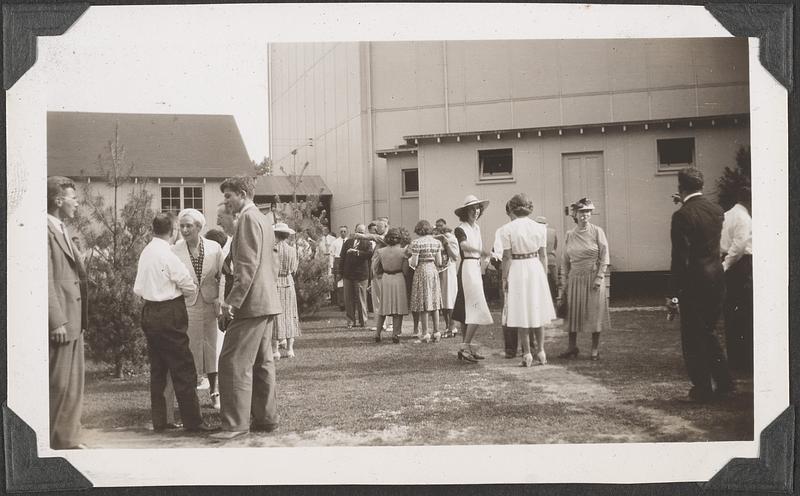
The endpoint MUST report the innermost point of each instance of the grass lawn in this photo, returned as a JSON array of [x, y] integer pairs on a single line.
[[343, 389]]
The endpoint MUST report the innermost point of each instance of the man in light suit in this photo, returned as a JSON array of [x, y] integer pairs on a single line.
[[697, 284], [246, 367], [67, 316]]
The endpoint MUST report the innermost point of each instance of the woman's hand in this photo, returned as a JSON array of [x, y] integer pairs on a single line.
[[596, 285]]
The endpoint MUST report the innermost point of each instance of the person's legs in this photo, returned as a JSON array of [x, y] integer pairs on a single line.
[[181, 366], [264, 403], [361, 294], [290, 347], [595, 345], [538, 332], [379, 326], [694, 348], [158, 381], [66, 393], [242, 345], [349, 295], [397, 327], [510, 341]]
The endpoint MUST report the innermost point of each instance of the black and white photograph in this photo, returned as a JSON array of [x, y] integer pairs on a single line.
[[418, 256]]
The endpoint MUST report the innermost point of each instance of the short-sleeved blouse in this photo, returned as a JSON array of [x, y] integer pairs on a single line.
[[523, 235]]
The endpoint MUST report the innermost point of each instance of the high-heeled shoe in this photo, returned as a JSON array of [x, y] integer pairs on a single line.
[[377, 337], [595, 356], [541, 358], [290, 354], [437, 336], [425, 338], [527, 360], [466, 356], [572, 353], [395, 339], [475, 354]]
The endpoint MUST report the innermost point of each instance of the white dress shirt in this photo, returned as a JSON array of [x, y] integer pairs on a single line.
[[161, 276], [737, 235], [336, 247]]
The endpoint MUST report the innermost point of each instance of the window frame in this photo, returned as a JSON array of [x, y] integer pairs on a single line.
[[405, 192], [494, 178], [674, 168], [182, 197]]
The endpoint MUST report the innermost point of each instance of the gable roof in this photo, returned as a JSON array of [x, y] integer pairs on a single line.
[[281, 186], [159, 145]]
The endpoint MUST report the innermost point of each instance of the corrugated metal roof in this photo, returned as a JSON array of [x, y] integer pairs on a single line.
[[282, 186], [159, 145]]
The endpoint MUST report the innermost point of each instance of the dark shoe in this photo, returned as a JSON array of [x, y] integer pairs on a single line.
[[227, 435], [377, 338], [573, 353], [167, 427], [475, 355], [395, 339], [263, 427], [202, 428], [725, 391], [595, 357], [466, 356], [697, 395], [510, 354]]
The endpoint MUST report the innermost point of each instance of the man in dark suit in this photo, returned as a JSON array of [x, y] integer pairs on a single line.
[[697, 284], [356, 254], [67, 316], [246, 367]]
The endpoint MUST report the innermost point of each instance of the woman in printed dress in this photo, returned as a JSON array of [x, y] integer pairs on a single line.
[[287, 325], [426, 293], [204, 260], [388, 263], [583, 273], [528, 302], [470, 307]]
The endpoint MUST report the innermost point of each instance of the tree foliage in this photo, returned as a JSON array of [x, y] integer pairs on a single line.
[[114, 237], [734, 184]]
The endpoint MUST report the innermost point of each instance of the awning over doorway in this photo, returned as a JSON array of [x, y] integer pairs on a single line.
[[282, 186]]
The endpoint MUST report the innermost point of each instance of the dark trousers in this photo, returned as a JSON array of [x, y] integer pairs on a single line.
[[355, 301], [66, 393], [699, 312], [738, 311], [164, 325]]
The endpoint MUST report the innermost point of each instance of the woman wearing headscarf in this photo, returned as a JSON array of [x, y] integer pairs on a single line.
[[529, 306], [204, 260], [584, 264], [470, 307], [287, 323], [388, 263]]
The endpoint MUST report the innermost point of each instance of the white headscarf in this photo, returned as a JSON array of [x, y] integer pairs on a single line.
[[196, 216]]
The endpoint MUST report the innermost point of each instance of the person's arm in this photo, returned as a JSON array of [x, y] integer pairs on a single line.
[[246, 259], [56, 318], [220, 261], [742, 233], [437, 257], [179, 274], [506, 267], [364, 250], [603, 258], [377, 266]]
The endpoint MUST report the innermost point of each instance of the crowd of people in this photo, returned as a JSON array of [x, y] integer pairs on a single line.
[[221, 307]]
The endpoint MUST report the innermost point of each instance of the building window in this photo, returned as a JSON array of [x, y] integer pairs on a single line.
[[675, 153], [410, 181], [495, 164], [176, 198]]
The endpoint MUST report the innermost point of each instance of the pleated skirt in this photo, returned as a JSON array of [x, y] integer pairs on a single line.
[[394, 298], [528, 300], [202, 331], [587, 308]]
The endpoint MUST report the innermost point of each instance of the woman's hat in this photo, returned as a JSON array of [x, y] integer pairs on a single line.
[[469, 201], [282, 227], [583, 204]]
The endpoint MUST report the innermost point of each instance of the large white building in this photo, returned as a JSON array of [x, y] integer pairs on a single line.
[[407, 129]]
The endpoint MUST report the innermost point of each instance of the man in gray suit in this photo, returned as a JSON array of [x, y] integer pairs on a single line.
[[67, 316], [246, 369]]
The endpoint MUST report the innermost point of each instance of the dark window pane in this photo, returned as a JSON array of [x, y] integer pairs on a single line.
[[410, 181], [495, 162], [675, 152]]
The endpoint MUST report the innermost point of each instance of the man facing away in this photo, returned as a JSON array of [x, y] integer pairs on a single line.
[[336, 264], [246, 367], [163, 281], [697, 285], [356, 255], [67, 317]]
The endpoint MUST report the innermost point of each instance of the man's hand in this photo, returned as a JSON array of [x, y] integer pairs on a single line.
[[229, 310], [672, 308], [59, 335], [597, 284], [217, 308]]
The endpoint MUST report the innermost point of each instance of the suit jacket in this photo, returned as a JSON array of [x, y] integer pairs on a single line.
[[255, 260], [695, 234], [211, 286], [67, 286], [355, 266]]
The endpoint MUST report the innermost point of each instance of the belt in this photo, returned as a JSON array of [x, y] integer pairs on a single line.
[[283, 274], [522, 256], [426, 260], [164, 302], [391, 272], [470, 258]]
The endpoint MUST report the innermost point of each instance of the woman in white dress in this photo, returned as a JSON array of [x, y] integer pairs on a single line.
[[470, 307], [448, 277], [527, 293], [204, 260]]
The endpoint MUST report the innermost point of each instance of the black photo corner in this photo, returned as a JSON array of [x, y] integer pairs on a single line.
[[773, 472]]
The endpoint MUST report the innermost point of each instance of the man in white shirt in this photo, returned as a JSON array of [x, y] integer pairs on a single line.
[[736, 245], [163, 281], [336, 265]]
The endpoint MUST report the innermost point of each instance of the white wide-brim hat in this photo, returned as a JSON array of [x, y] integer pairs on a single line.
[[471, 200], [282, 227]]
